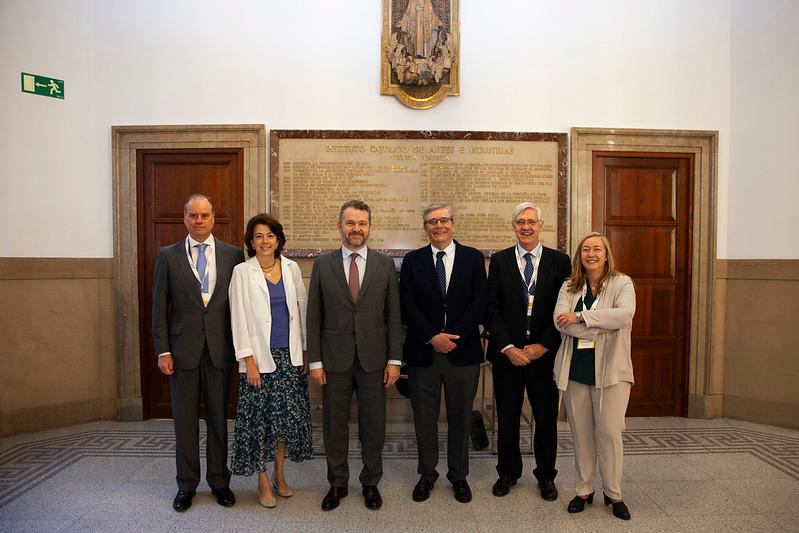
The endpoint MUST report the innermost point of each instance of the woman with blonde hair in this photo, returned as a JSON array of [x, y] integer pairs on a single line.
[[593, 367]]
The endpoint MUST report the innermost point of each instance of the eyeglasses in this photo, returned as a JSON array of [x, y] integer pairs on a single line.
[[520, 223], [444, 221]]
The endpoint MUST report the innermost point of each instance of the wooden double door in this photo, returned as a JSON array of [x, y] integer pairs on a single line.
[[164, 178], [642, 202]]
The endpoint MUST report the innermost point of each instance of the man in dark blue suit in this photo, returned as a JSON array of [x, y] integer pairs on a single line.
[[444, 296], [523, 285]]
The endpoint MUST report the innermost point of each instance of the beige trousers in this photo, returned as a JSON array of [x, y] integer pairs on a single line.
[[595, 431]]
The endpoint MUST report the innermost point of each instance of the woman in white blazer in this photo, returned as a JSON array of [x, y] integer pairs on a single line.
[[593, 367], [267, 308]]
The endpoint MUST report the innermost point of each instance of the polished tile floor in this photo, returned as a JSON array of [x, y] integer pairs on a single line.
[[680, 475]]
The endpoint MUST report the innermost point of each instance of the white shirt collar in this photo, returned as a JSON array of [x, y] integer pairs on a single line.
[[449, 250], [535, 251], [209, 241], [346, 252]]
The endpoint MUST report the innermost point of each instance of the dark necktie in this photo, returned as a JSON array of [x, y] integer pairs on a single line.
[[528, 274], [202, 263], [441, 272], [355, 282]]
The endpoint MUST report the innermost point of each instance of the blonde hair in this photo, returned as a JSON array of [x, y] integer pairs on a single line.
[[576, 281]]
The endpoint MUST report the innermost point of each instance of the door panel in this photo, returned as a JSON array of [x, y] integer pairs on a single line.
[[164, 179], [642, 203]]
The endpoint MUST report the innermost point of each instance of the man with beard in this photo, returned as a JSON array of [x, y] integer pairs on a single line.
[[354, 344]]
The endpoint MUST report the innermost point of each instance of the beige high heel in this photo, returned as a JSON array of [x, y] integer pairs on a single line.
[[269, 503], [288, 493]]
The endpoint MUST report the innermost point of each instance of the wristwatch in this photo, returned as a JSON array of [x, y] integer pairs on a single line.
[[579, 317]]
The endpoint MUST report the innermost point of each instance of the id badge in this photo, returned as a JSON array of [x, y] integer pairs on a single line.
[[530, 299], [584, 344]]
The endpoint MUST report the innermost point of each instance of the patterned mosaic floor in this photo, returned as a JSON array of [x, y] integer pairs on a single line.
[[680, 475], [27, 464]]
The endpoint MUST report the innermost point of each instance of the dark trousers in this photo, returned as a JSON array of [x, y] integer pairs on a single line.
[[187, 387], [460, 386], [336, 400], [510, 382]]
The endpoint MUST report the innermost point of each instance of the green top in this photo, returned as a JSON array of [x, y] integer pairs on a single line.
[[582, 366]]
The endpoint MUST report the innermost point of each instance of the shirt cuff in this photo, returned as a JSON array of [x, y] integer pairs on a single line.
[[165, 353], [506, 347], [396, 362], [314, 366]]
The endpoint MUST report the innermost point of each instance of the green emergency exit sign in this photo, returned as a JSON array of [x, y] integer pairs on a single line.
[[42, 85]]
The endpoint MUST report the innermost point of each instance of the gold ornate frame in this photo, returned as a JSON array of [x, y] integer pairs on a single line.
[[420, 96]]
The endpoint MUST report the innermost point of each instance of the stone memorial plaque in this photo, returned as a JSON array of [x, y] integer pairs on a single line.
[[481, 175]]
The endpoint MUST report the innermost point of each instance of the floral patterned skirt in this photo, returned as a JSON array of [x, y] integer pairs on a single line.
[[278, 411]]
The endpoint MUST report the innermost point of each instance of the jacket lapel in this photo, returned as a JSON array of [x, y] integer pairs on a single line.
[[192, 283], [338, 270], [430, 270], [370, 271], [255, 274]]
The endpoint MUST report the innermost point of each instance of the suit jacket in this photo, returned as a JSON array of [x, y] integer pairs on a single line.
[[182, 325], [336, 325], [614, 311], [424, 307], [507, 304], [251, 313]]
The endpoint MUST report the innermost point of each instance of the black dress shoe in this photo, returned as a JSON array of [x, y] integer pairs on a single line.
[[182, 501], [548, 490], [371, 497], [619, 508], [224, 497], [462, 491], [502, 486], [332, 498], [577, 505], [422, 490]]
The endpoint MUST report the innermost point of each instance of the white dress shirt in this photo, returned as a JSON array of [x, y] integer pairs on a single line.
[[448, 259], [210, 254], [192, 252], [521, 262]]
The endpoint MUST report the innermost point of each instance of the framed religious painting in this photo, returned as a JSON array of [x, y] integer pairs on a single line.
[[420, 53]]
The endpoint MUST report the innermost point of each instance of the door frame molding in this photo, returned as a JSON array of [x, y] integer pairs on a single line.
[[706, 331], [125, 141]]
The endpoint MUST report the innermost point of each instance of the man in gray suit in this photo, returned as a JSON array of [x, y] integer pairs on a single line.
[[191, 331], [354, 336]]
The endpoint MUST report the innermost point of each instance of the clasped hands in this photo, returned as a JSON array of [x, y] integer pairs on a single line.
[[526, 355]]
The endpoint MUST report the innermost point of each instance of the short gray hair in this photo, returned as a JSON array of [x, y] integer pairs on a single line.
[[434, 207], [526, 205]]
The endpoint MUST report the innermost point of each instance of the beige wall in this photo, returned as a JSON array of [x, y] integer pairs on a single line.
[[57, 365], [761, 372]]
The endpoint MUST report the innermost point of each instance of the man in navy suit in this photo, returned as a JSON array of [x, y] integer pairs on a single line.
[[523, 285], [191, 331], [443, 292]]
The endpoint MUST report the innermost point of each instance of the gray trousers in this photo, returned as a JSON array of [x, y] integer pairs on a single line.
[[460, 386], [336, 399], [187, 387]]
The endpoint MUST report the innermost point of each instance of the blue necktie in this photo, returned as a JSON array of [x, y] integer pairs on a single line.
[[202, 262], [441, 272], [529, 284]]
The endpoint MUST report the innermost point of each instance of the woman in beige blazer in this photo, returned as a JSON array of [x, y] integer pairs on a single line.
[[593, 367], [267, 311]]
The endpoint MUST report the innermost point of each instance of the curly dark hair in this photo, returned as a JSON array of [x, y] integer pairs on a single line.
[[270, 222]]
